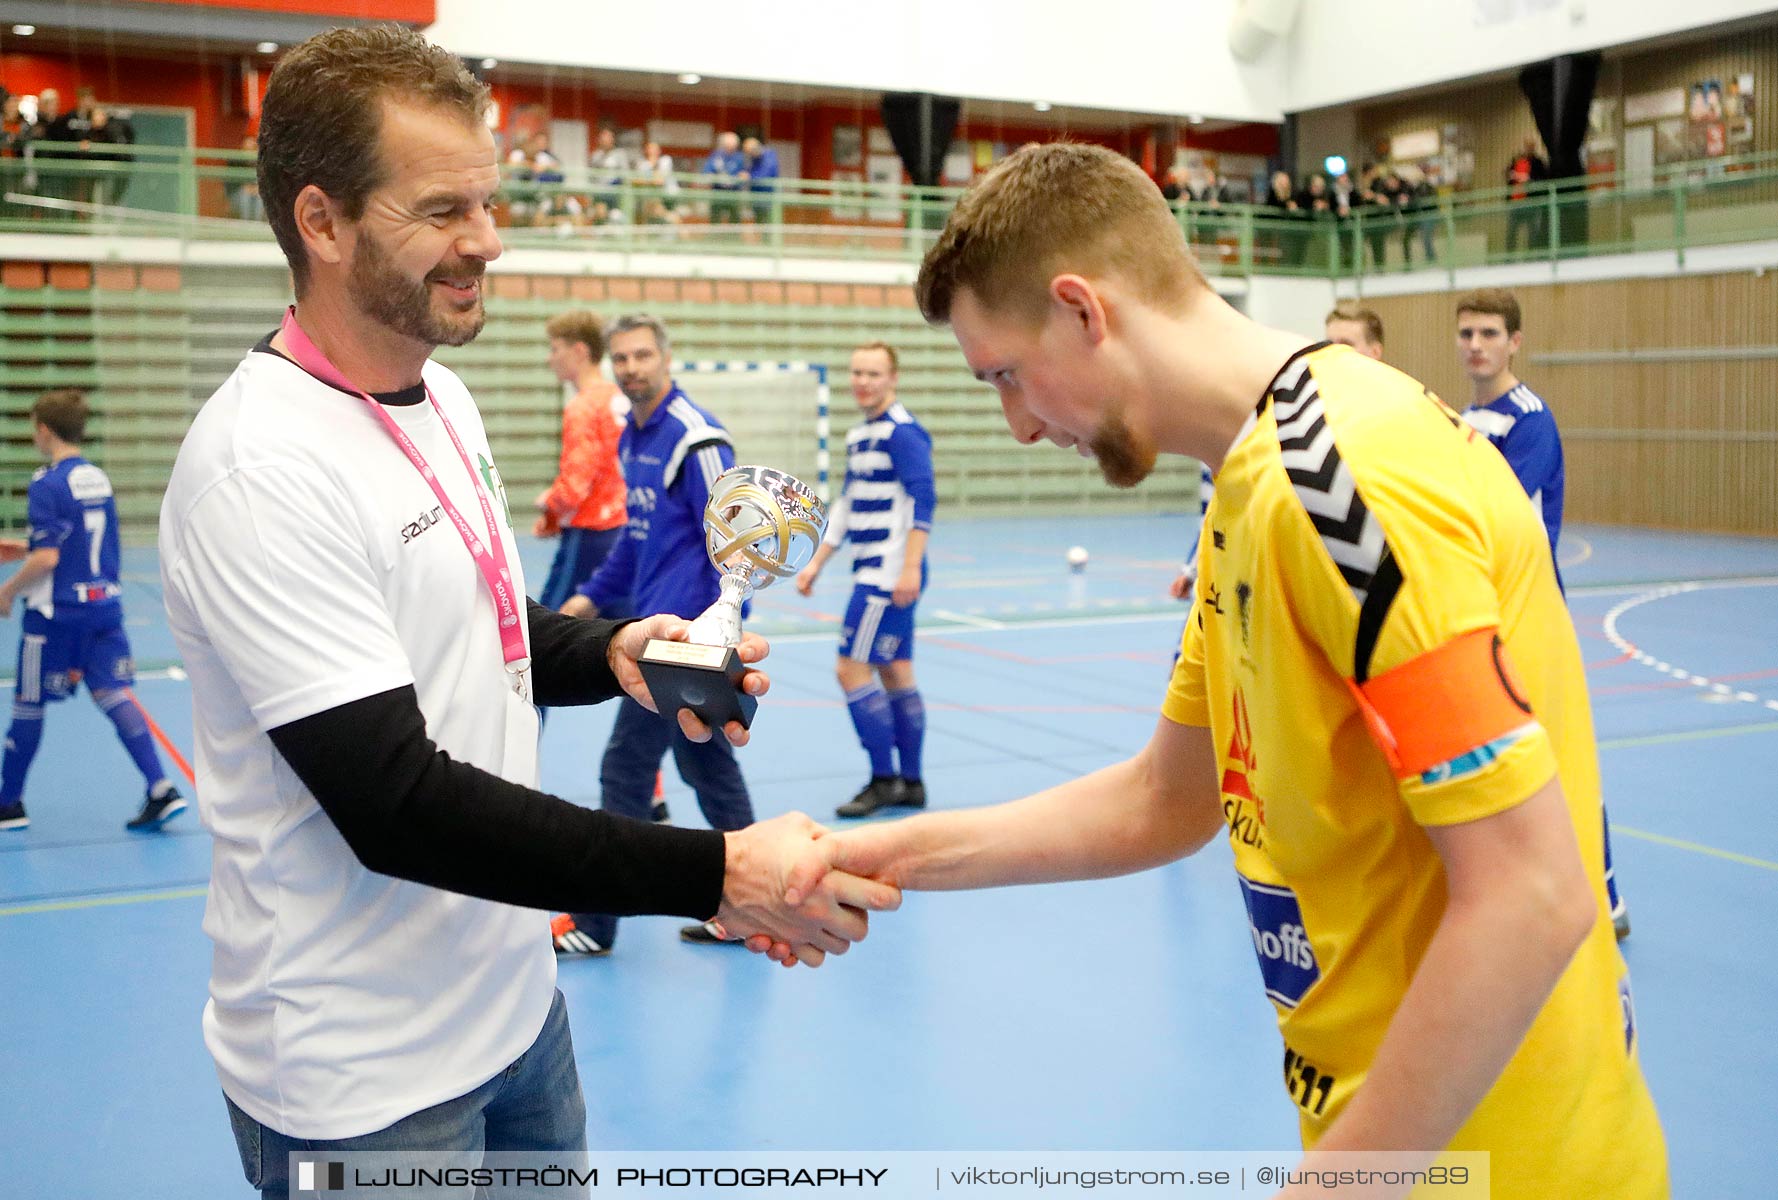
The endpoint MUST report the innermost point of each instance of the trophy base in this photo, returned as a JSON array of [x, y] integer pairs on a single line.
[[705, 679]]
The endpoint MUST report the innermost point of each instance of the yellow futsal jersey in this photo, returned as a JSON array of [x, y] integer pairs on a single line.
[[1378, 644]]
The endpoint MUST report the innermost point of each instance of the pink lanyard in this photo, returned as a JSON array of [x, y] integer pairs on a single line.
[[490, 556]]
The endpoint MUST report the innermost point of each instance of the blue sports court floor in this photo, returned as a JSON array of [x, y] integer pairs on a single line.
[[1115, 1015]]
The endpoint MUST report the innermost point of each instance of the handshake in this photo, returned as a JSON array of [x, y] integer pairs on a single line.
[[790, 892]]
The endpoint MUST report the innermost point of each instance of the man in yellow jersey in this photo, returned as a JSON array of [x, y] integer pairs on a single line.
[[1380, 698]]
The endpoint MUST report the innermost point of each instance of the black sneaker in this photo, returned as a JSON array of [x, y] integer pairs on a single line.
[[12, 816], [704, 935], [659, 814], [569, 939], [913, 794], [156, 813], [881, 792]]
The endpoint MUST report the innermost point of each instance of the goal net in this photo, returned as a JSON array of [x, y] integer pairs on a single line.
[[775, 412]]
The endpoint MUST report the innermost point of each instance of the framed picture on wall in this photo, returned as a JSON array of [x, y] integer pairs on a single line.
[[1737, 111], [959, 166], [848, 147], [886, 198]]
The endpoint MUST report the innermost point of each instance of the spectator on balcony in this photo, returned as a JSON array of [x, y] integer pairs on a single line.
[[1421, 214], [55, 181], [611, 165], [244, 203], [103, 131], [1286, 209], [1375, 210], [1526, 212], [1316, 202], [50, 118], [1398, 194], [657, 172], [1175, 187], [655, 212], [554, 206], [727, 166], [15, 134], [13, 131], [762, 177], [1291, 210], [522, 209]]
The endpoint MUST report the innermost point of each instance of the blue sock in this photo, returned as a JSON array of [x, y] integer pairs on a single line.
[[869, 706], [910, 729], [21, 748], [1611, 892], [132, 731]]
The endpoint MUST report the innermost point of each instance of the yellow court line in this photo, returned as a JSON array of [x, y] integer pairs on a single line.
[[1690, 735], [19, 910], [1746, 860]]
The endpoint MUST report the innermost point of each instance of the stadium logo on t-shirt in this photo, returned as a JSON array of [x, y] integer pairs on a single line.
[[421, 523]]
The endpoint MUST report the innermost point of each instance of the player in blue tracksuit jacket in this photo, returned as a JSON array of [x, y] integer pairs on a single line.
[[1520, 425], [73, 624], [671, 451], [885, 512]]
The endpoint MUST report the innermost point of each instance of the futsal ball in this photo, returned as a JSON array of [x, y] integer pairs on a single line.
[[1077, 559]]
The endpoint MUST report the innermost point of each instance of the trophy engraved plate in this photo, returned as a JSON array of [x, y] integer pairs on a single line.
[[760, 525]]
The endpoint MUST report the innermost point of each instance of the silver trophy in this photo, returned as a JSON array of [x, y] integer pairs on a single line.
[[760, 525]]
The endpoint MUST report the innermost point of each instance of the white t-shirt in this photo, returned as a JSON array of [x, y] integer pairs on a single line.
[[306, 564]]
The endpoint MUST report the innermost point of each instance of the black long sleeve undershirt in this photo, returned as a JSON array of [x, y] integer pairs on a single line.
[[409, 810], [569, 657]]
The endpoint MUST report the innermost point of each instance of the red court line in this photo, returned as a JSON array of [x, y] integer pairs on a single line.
[[986, 709], [166, 743], [985, 651], [1672, 684], [1025, 660], [1625, 657]]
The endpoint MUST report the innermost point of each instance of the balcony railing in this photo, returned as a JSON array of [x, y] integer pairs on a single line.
[[159, 191]]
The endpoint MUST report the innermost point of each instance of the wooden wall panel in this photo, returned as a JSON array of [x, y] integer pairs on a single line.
[[1683, 436]]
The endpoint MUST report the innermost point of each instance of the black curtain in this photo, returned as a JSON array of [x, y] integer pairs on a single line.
[[921, 126], [1560, 93]]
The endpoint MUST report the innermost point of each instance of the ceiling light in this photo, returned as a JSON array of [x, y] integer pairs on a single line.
[[267, 47], [691, 79], [488, 64], [24, 30], [1196, 118], [1042, 106]]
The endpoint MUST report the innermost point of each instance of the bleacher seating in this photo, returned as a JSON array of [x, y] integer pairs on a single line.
[[150, 344]]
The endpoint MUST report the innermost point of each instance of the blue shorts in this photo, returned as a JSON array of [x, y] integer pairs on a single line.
[[56, 655], [876, 631]]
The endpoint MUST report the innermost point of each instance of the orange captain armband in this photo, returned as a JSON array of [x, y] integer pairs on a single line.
[[1457, 700]]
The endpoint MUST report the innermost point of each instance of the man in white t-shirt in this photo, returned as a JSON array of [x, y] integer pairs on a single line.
[[342, 578]]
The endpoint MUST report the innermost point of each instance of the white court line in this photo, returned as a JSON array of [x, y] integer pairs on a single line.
[[1680, 674], [1728, 581], [966, 619], [174, 673], [1172, 618], [1586, 551]]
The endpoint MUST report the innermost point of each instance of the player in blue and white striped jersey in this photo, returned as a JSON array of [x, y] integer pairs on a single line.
[[885, 511], [1519, 424], [73, 624]]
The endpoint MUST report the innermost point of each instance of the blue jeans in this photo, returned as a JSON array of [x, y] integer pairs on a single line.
[[578, 555], [533, 1105], [626, 779]]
